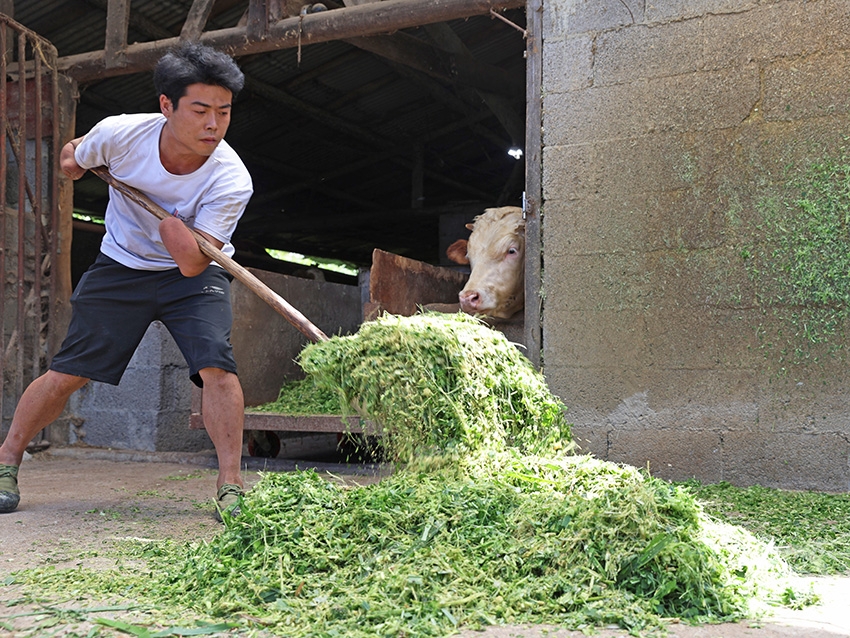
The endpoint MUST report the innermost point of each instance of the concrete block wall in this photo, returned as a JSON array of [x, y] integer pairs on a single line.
[[662, 124]]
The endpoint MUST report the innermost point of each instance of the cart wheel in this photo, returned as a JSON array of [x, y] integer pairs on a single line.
[[263, 444]]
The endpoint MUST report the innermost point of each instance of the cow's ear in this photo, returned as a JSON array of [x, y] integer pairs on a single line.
[[457, 252]]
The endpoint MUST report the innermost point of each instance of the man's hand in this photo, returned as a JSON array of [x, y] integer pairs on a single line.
[[67, 161]]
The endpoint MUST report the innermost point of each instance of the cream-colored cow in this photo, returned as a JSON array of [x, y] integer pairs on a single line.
[[495, 252]]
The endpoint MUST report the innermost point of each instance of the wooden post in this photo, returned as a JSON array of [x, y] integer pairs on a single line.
[[195, 22], [117, 24]]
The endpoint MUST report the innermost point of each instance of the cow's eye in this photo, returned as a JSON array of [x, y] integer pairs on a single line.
[[512, 251]]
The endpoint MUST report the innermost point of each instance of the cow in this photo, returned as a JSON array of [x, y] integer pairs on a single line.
[[495, 252]]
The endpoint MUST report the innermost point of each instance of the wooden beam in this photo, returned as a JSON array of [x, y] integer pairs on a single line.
[[258, 19], [196, 21], [117, 23], [339, 24]]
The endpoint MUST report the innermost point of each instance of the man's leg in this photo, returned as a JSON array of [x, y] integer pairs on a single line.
[[41, 404], [224, 416]]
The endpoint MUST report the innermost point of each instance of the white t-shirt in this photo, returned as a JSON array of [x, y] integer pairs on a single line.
[[211, 199]]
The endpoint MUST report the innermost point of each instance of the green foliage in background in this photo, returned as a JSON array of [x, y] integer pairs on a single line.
[[800, 263]]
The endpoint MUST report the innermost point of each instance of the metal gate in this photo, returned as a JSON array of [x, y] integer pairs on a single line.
[[29, 154]]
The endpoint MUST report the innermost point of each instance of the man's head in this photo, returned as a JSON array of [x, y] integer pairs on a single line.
[[195, 63]]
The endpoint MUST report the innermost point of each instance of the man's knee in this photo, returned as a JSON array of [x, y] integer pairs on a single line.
[[217, 376], [61, 383]]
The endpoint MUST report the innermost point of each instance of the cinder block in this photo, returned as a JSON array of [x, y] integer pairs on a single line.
[[775, 30], [581, 16], [594, 394], [808, 88], [606, 282], [130, 430], [701, 101], [673, 455], [808, 400], [173, 434], [567, 63], [140, 389], [788, 460], [621, 169], [606, 339], [714, 399], [640, 222], [642, 51], [666, 10], [591, 440]]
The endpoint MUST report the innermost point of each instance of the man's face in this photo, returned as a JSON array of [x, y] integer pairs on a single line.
[[201, 119]]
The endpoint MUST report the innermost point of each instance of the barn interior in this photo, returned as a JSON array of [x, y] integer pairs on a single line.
[[389, 141]]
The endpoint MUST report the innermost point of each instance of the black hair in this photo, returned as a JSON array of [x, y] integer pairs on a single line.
[[193, 63]]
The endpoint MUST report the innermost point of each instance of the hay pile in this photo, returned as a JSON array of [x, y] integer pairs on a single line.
[[489, 520], [498, 538], [440, 383]]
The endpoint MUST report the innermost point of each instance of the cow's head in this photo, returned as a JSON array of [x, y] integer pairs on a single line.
[[495, 252]]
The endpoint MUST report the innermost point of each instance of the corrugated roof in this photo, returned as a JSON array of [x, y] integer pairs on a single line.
[[331, 137]]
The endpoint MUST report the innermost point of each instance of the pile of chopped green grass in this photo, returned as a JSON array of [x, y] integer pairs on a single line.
[[301, 397], [440, 383], [488, 520], [493, 538]]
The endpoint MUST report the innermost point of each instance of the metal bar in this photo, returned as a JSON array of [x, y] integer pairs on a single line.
[[23, 329], [13, 144], [53, 217], [38, 226], [533, 181], [20, 329], [3, 160]]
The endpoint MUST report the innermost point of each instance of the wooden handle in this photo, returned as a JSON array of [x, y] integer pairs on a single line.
[[246, 277]]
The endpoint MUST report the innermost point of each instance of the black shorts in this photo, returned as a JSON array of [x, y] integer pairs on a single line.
[[112, 307]]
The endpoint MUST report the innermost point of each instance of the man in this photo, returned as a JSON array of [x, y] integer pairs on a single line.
[[154, 270]]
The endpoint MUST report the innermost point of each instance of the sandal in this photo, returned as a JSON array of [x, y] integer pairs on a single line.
[[227, 501], [10, 495]]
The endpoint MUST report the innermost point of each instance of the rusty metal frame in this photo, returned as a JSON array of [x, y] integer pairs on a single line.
[[533, 203], [29, 130]]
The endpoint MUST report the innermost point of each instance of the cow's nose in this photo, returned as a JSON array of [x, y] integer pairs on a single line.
[[470, 299]]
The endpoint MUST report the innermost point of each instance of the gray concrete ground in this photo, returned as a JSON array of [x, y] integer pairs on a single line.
[[77, 502]]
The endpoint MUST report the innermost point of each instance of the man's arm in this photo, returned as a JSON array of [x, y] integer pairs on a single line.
[[67, 161], [183, 247]]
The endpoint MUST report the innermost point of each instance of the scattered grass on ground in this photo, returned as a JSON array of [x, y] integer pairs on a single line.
[[811, 530]]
